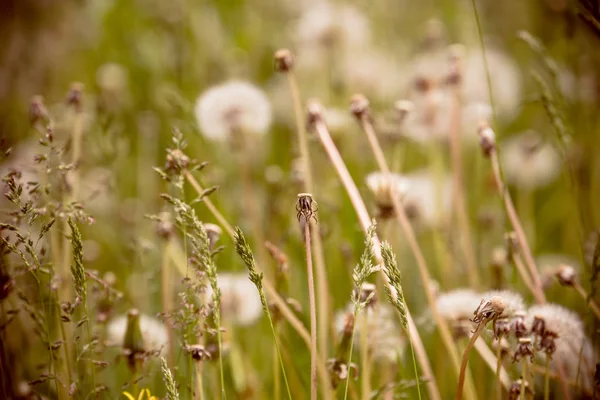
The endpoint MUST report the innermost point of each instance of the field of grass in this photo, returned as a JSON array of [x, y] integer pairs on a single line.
[[323, 199]]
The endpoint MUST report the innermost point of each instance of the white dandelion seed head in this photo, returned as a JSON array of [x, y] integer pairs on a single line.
[[337, 120], [570, 343], [112, 78], [233, 106], [240, 301], [154, 332], [458, 304], [529, 162], [421, 200], [504, 76], [431, 117], [385, 336], [386, 185], [513, 302], [327, 24]]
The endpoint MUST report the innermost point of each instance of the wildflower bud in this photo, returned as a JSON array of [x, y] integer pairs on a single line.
[[487, 139], [165, 227], [359, 106], [213, 232], [133, 343], [37, 110], [566, 275], [518, 325], [284, 60], [524, 349], [403, 108], [75, 96], [314, 112]]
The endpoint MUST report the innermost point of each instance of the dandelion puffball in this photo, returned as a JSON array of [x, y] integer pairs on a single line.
[[529, 162], [231, 107], [154, 332], [240, 302]]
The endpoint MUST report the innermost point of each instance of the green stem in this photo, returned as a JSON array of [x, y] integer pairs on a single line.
[[547, 379], [350, 354], [412, 352], [524, 379], [287, 386]]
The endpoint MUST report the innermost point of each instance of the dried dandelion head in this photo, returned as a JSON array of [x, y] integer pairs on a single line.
[[284, 60], [487, 139], [240, 302], [513, 302], [231, 108], [572, 348], [529, 162], [385, 187], [566, 275]]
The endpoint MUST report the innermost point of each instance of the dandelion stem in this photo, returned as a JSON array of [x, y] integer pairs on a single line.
[[498, 368], [518, 228], [321, 272], [409, 234], [589, 300], [459, 191], [365, 221], [313, 312], [465, 359], [547, 379], [516, 257], [524, 378]]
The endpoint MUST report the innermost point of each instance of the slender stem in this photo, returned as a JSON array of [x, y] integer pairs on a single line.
[[285, 379], [524, 379], [309, 187], [199, 379], [492, 362], [219, 340], [409, 234], [516, 257], [547, 380], [276, 373], [518, 228], [91, 349], [350, 354], [459, 191], [465, 359], [590, 301], [167, 297], [414, 361], [209, 204], [365, 368], [365, 221], [374, 143], [498, 368], [313, 313]]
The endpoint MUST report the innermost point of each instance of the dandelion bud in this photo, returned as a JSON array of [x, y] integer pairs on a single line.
[[133, 343], [359, 106], [75, 96], [314, 112], [284, 60], [566, 275], [487, 139]]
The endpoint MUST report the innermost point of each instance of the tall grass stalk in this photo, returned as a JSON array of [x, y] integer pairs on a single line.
[[365, 361], [410, 236], [166, 293], [284, 63], [316, 120], [245, 253]]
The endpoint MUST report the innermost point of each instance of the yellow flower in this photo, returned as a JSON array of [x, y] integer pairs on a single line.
[[141, 396]]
